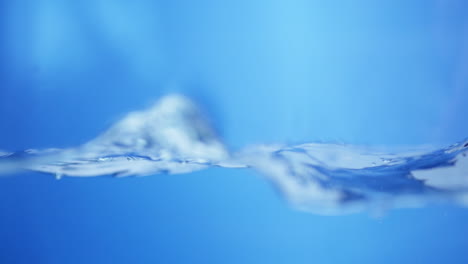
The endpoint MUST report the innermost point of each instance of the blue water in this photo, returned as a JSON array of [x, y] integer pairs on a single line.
[[174, 137], [362, 101]]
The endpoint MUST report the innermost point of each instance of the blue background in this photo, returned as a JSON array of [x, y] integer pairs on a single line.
[[363, 72]]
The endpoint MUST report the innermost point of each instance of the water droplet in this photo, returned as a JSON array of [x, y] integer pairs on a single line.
[[58, 176]]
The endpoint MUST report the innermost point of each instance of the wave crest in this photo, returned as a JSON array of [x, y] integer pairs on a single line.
[[173, 136]]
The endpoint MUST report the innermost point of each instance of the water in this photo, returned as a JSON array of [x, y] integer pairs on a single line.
[[174, 137], [299, 131]]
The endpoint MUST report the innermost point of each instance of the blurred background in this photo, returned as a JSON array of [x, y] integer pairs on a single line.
[[386, 73]]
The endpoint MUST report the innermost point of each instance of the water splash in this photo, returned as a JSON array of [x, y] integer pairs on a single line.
[[174, 137]]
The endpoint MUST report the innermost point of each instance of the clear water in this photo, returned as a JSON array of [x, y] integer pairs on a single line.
[[329, 131], [174, 137]]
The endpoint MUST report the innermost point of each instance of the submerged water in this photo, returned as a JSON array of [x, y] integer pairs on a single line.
[[174, 137]]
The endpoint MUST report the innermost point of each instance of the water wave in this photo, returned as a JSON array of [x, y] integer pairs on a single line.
[[173, 137]]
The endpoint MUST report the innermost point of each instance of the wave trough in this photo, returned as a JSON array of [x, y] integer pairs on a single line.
[[174, 137]]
